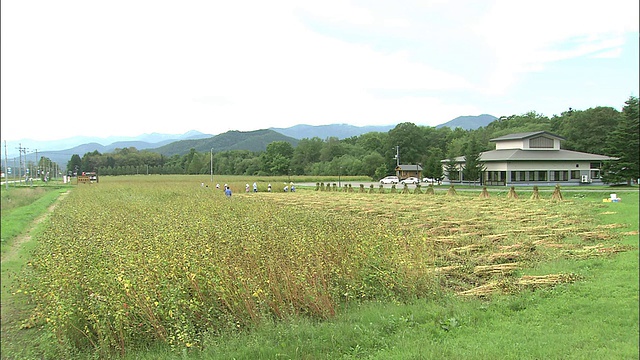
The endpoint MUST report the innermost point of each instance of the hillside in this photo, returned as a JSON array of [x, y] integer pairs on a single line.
[[341, 131], [256, 140], [171, 144], [469, 122]]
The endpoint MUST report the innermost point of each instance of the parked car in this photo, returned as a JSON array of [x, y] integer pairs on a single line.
[[410, 180], [429, 180], [389, 180]]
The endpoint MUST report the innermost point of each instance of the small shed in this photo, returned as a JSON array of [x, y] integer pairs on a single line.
[[404, 171]]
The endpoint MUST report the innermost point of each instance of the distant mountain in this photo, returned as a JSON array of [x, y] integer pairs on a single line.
[[256, 140], [121, 141], [171, 144], [60, 151], [469, 122], [63, 156], [341, 131]]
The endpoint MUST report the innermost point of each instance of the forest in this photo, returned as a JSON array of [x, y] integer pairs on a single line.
[[598, 130]]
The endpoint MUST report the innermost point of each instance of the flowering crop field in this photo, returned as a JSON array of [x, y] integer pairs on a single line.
[[128, 261]]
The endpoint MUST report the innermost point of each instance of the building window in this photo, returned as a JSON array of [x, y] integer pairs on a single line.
[[518, 176], [496, 177], [575, 174], [532, 176], [595, 165], [560, 176], [541, 176], [595, 174], [541, 142]]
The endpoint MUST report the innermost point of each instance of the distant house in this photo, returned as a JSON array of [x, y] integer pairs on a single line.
[[533, 158], [404, 171]]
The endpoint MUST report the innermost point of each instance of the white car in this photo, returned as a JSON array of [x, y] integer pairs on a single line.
[[389, 180], [410, 180], [429, 180]]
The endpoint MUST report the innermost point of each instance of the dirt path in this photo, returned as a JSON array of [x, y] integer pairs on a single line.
[[26, 236]]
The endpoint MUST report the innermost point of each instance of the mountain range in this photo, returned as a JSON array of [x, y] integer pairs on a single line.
[[172, 144]]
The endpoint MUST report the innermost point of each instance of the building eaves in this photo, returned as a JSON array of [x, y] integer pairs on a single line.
[[525, 135], [540, 155], [408, 167]]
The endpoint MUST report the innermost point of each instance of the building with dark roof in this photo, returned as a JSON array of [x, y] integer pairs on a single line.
[[533, 158]]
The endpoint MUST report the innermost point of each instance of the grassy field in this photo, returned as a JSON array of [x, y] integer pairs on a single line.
[[166, 267]]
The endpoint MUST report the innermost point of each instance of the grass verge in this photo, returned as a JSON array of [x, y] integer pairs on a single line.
[[21, 208]]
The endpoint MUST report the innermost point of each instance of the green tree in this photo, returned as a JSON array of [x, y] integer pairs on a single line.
[[74, 163], [373, 141], [306, 153], [433, 166], [623, 143], [332, 148], [198, 164], [473, 167], [370, 164], [187, 159], [587, 130], [451, 168], [410, 140], [276, 160]]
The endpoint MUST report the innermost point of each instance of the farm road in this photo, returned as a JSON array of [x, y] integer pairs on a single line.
[[26, 236]]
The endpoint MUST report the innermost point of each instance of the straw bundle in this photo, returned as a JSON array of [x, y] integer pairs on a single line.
[[430, 190], [551, 279], [536, 194], [467, 249], [484, 194], [506, 268], [557, 195], [482, 290]]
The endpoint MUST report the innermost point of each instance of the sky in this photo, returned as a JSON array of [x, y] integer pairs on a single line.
[[126, 68]]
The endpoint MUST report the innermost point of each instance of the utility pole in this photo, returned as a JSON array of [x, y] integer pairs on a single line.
[[397, 155], [6, 172], [22, 150]]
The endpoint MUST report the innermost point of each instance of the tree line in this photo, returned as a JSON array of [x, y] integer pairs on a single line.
[[599, 130]]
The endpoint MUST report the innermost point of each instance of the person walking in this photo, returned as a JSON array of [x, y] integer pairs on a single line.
[[255, 187]]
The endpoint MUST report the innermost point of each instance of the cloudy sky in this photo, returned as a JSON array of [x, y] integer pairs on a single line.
[[125, 68]]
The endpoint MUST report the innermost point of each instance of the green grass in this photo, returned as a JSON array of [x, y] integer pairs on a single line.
[[594, 318], [20, 207]]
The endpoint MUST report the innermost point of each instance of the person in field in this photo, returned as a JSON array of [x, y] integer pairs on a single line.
[[255, 187], [227, 191], [269, 187]]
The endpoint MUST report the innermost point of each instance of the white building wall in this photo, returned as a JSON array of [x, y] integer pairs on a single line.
[[510, 144], [537, 165]]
